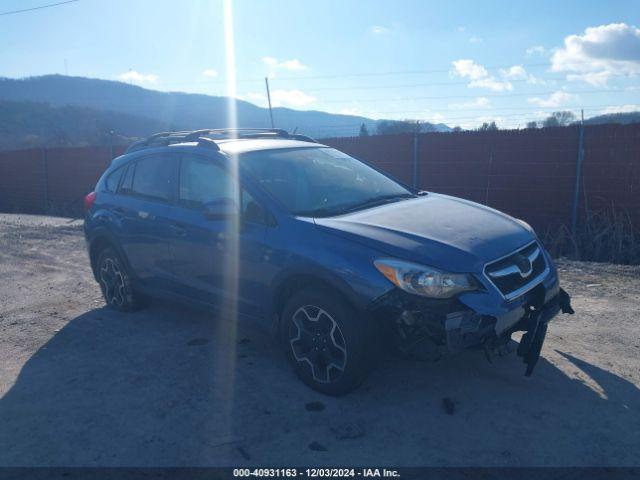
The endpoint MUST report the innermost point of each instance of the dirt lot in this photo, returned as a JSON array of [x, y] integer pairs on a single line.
[[82, 385]]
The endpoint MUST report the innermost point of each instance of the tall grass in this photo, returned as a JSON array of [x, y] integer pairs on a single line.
[[606, 235]]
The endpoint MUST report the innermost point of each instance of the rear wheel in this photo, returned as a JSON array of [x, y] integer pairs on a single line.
[[325, 341], [115, 282]]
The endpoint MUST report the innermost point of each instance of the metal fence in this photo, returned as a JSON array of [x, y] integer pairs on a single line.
[[532, 174]]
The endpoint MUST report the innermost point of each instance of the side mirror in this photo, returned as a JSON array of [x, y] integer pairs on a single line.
[[220, 209]]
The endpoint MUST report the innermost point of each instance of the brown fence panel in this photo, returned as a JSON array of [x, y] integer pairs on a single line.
[[391, 153], [22, 181], [72, 173], [612, 168], [528, 173]]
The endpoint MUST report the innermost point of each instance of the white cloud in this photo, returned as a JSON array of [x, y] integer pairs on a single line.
[[621, 109], [518, 72], [492, 84], [556, 99], [282, 98], [274, 64], [379, 29], [480, 102], [535, 50], [596, 79], [474, 39], [270, 61], [461, 29], [210, 72], [294, 98], [293, 64], [137, 77], [599, 53], [478, 76], [469, 69]]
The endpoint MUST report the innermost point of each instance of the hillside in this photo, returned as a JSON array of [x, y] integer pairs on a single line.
[[622, 118], [173, 110], [36, 124]]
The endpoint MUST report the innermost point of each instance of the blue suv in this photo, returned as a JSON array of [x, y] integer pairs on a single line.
[[339, 257]]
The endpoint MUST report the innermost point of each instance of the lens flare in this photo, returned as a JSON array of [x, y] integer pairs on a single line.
[[226, 333]]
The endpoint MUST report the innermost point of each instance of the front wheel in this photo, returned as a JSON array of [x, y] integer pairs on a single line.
[[325, 341], [115, 282]]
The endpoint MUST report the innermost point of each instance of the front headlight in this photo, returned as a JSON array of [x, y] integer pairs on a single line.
[[423, 280]]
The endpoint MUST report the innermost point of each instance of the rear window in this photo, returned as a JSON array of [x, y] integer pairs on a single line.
[[152, 177], [113, 179]]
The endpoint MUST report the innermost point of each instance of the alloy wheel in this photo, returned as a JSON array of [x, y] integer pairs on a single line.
[[112, 280], [316, 339]]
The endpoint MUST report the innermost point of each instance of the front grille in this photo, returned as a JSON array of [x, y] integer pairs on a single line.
[[518, 272]]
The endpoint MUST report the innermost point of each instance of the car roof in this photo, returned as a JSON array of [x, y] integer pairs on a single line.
[[233, 146], [244, 145]]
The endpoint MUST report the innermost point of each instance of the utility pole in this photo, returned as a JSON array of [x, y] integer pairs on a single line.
[[416, 133], [266, 82]]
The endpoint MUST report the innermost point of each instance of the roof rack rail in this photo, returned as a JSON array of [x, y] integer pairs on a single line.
[[169, 138]]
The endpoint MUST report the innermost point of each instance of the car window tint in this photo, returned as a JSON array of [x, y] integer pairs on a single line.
[[203, 181], [152, 177], [127, 183], [113, 179]]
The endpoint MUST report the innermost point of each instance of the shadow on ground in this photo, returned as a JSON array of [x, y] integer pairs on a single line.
[[169, 386]]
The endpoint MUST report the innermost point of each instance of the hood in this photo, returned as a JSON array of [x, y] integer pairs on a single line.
[[444, 232]]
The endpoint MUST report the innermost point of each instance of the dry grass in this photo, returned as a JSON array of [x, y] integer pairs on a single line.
[[604, 236]]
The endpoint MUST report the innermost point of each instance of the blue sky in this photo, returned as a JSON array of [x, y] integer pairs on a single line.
[[459, 62]]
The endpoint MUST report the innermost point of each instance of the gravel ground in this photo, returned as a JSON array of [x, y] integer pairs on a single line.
[[167, 386]]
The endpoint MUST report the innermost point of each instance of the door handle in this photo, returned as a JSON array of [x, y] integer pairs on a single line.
[[145, 215]]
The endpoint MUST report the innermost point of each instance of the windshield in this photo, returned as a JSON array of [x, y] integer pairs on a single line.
[[321, 181]]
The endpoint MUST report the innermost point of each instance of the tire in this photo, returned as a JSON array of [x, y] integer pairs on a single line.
[[326, 341], [115, 282]]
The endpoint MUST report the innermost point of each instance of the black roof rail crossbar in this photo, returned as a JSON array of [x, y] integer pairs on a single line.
[[168, 138]]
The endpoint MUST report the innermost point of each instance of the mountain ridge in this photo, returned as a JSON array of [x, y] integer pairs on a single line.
[[174, 110]]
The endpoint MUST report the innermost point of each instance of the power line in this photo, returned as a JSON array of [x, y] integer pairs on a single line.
[[37, 8], [418, 72], [436, 97], [490, 109]]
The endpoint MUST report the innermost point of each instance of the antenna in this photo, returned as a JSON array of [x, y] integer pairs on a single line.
[[266, 82]]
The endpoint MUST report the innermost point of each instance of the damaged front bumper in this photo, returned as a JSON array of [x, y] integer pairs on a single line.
[[428, 328]]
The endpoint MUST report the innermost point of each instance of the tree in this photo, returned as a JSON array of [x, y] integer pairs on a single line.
[[364, 131], [559, 119], [488, 126], [532, 124], [393, 127], [457, 128]]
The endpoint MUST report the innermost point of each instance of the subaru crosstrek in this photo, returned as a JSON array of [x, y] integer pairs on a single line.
[[342, 259]]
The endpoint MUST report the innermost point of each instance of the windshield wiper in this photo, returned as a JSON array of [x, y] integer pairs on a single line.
[[370, 203]]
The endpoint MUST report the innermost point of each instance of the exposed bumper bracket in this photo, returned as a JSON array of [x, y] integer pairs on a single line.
[[536, 331]]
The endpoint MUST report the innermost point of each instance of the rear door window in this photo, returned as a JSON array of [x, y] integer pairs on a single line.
[[152, 178]]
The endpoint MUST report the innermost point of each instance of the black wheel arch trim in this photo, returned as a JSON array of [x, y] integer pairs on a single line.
[[310, 275], [103, 235]]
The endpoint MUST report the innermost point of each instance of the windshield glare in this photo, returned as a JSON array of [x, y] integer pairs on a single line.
[[320, 181]]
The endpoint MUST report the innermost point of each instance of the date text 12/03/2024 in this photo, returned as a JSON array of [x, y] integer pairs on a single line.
[[316, 472]]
